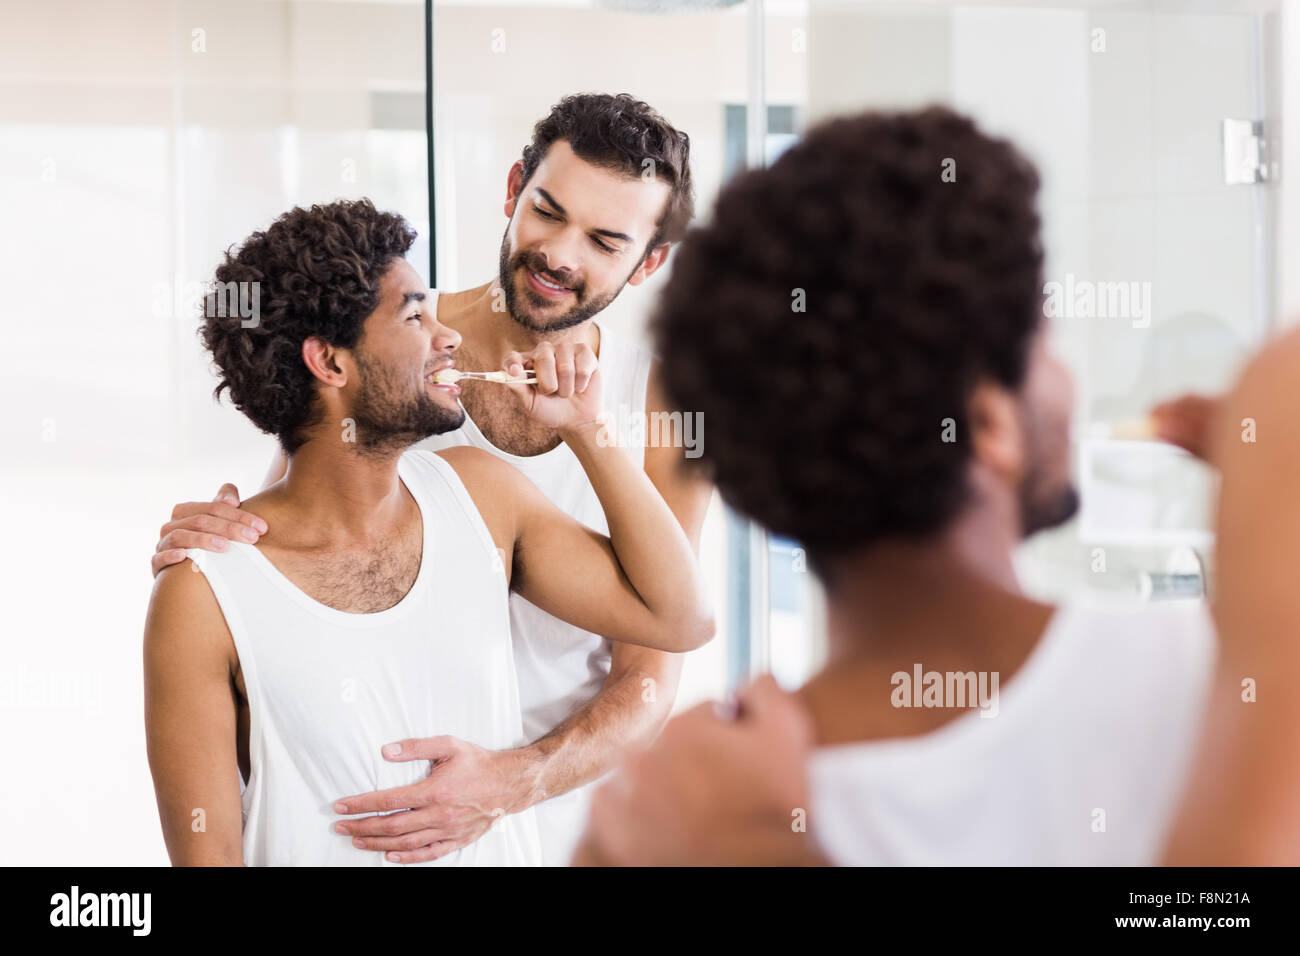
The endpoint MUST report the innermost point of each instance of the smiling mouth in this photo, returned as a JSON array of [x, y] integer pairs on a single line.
[[547, 285]]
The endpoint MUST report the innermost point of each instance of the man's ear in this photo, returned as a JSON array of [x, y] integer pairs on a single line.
[[326, 362], [997, 433], [514, 182], [652, 262]]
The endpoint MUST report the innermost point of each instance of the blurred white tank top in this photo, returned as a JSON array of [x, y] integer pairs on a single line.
[[328, 688], [560, 666], [1083, 764]]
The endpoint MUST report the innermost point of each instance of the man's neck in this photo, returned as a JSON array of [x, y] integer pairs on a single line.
[[488, 332], [914, 593], [340, 497]]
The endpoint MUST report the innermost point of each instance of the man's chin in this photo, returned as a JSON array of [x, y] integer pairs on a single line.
[[447, 421], [1044, 516], [451, 424], [398, 440]]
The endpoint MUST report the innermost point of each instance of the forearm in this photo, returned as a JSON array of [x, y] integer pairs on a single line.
[[650, 545], [629, 711]]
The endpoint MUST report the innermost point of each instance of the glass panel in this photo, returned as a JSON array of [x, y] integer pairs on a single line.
[[495, 75], [1125, 123]]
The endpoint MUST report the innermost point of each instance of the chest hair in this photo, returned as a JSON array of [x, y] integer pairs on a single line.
[[359, 582]]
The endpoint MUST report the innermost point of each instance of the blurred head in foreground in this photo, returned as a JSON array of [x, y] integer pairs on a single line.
[[861, 326]]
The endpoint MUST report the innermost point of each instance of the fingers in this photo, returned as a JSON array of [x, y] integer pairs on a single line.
[[544, 369], [562, 369], [763, 701], [165, 559], [175, 542], [584, 366], [416, 840], [217, 509], [1187, 422], [229, 494], [421, 748], [564, 372], [384, 801], [433, 852], [393, 826], [760, 696], [201, 530], [513, 364]]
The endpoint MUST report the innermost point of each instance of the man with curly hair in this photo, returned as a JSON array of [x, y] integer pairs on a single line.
[[862, 326], [596, 200], [375, 605]]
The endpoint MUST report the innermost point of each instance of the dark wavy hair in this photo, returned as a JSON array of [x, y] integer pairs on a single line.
[[826, 424], [318, 272], [619, 133]]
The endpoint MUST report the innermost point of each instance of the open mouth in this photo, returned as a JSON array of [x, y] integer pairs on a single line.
[[431, 379], [546, 287]]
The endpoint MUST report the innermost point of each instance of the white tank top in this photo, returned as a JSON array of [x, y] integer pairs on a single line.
[[328, 688], [560, 666], [1083, 764]]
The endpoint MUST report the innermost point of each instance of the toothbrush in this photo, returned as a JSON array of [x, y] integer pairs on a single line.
[[450, 376], [1130, 429]]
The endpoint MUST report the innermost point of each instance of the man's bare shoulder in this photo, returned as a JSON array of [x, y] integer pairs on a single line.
[[500, 492], [184, 611], [475, 466], [1257, 429], [456, 309]]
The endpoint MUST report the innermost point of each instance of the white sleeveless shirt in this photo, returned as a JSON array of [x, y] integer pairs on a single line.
[[560, 666], [328, 688], [1083, 764]]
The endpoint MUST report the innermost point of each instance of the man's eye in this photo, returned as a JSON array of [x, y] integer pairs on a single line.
[[543, 213], [416, 316], [601, 246]]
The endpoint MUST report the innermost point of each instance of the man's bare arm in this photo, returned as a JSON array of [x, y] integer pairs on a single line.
[[191, 712], [1240, 803], [640, 584], [636, 698]]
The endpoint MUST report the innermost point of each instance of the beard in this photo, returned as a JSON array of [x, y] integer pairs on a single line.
[[390, 417], [1043, 507], [520, 307], [1044, 502]]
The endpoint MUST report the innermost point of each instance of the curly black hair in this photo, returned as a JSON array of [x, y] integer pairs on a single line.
[[619, 132], [318, 273], [841, 305]]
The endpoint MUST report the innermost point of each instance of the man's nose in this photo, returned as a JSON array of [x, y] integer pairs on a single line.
[[559, 252], [445, 339]]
